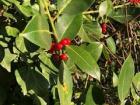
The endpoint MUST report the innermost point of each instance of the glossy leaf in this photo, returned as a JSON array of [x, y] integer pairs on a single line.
[[105, 8], [115, 80], [9, 15], [60, 4], [23, 45], [95, 49], [65, 85], [75, 6], [37, 32], [84, 61], [66, 27], [136, 86], [20, 44], [111, 44], [46, 65], [83, 35], [27, 10], [21, 82], [106, 53], [12, 31], [125, 78], [120, 14], [8, 58], [5, 2], [92, 29], [89, 97]]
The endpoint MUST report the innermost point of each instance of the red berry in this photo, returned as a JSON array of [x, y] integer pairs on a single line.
[[68, 41], [104, 27], [55, 57], [58, 46], [103, 31], [51, 51], [134, 1], [65, 41], [64, 57], [52, 48]]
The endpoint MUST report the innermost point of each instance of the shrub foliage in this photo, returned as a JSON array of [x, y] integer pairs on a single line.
[[69, 52]]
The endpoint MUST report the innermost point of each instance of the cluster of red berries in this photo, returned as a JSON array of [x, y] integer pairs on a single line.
[[104, 27], [134, 1], [57, 47]]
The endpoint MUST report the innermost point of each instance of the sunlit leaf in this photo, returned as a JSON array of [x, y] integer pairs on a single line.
[[84, 61], [74, 6], [111, 44], [65, 85], [12, 31], [37, 32], [136, 86], [66, 27], [125, 78], [105, 8], [8, 58]]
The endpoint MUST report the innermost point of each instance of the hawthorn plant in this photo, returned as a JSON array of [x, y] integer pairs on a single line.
[[69, 52]]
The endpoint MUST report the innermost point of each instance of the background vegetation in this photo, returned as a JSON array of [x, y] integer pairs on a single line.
[[69, 52]]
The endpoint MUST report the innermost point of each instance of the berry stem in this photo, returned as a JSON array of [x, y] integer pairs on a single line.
[[51, 21]]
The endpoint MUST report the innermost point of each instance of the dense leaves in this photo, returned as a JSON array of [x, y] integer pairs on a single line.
[[69, 52]]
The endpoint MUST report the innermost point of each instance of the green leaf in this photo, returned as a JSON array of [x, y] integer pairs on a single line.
[[31, 79], [9, 15], [20, 44], [89, 97], [62, 4], [95, 49], [83, 35], [39, 101], [115, 79], [106, 53], [23, 45], [66, 27], [46, 65], [84, 61], [74, 6], [93, 29], [21, 82], [136, 81], [111, 44], [105, 8], [8, 58], [5, 2], [37, 32], [120, 14], [65, 85], [27, 10], [125, 78], [12, 31]]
